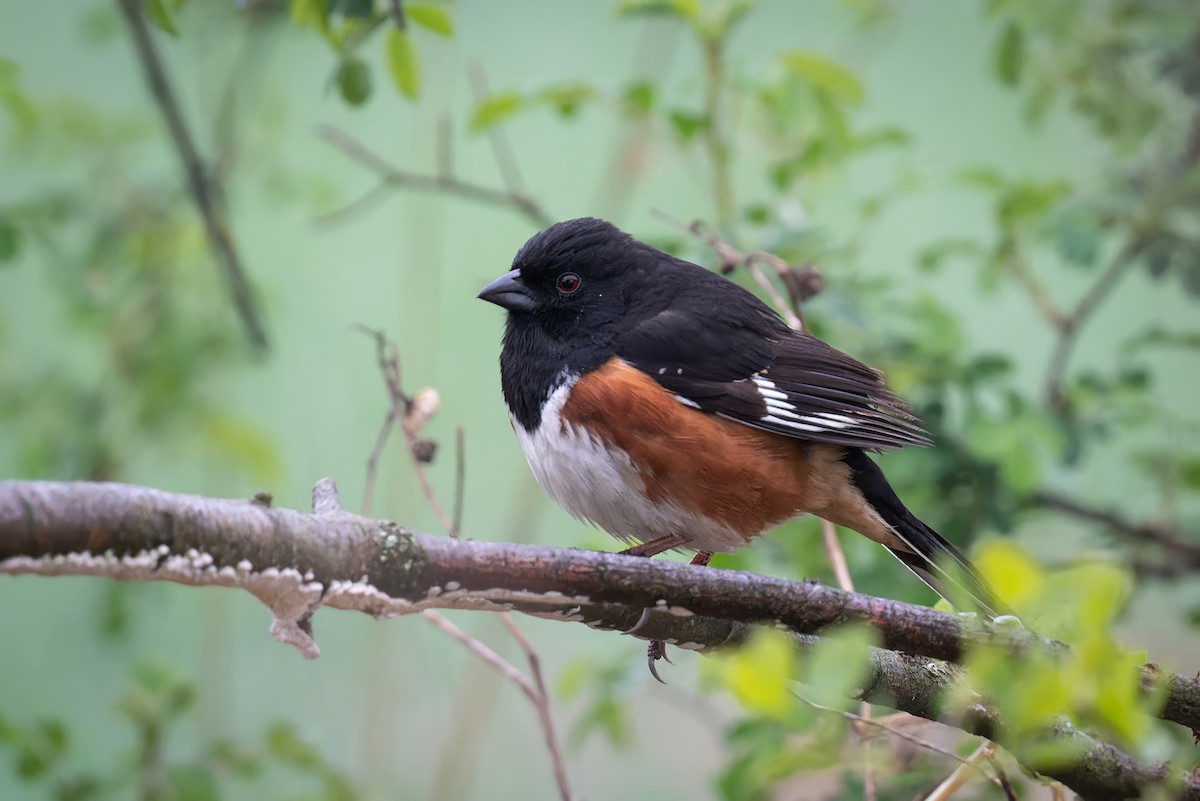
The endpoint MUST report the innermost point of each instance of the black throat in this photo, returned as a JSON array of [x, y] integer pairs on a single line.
[[533, 363]]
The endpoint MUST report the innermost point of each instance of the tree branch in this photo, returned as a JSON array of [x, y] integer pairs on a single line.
[[295, 563], [1183, 553], [396, 178], [203, 186]]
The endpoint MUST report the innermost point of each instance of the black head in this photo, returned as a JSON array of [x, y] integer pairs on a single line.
[[574, 275]]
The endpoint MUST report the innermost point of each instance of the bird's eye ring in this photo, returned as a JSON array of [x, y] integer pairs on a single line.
[[568, 283]]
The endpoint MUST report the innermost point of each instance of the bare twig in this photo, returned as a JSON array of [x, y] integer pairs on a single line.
[[895, 732], [1183, 553], [542, 702], [410, 414], [203, 186], [959, 776], [837, 559], [1069, 329], [448, 184], [460, 478], [486, 654], [396, 8]]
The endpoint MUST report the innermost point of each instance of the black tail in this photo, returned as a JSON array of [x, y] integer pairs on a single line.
[[936, 561]]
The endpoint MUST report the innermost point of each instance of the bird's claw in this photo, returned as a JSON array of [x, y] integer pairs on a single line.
[[641, 621], [655, 651]]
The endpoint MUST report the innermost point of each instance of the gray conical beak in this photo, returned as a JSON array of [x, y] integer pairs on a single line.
[[509, 292]]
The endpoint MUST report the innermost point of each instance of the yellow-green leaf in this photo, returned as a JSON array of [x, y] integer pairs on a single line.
[[837, 666], [494, 109], [431, 18], [758, 674], [1011, 573], [403, 64], [823, 75], [158, 13]]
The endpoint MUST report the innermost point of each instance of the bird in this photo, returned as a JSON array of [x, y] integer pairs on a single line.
[[675, 410]]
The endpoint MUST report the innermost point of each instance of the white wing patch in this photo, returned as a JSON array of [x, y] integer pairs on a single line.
[[782, 413]]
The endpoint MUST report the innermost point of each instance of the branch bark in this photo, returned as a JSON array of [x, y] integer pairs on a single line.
[[295, 563]]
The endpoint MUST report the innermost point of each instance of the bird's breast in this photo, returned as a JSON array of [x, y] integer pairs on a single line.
[[614, 448]]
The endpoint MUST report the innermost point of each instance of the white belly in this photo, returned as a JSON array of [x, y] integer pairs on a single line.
[[598, 483]]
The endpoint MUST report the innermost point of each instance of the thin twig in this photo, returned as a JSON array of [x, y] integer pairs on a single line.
[[903, 735], [397, 11], [489, 657], [365, 202], [837, 559], [1010, 792], [959, 776], [460, 479], [402, 411], [204, 188], [542, 703], [1069, 331], [447, 184], [1181, 550]]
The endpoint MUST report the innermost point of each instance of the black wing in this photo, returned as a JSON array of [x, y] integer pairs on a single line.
[[750, 367]]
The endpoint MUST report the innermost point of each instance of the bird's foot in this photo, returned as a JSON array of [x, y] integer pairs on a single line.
[[656, 650]]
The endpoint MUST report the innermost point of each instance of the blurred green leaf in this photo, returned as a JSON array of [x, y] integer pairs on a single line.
[[433, 18], [286, 746], [687, 10], [160, 15], [823, 74], [640, 96], [494, 109], [1010, 54], [193, 783], [10, 240], [566, 98], [246, 446], [353, 78], [837, 666], [759, 673], [403, 64], [687, 124]]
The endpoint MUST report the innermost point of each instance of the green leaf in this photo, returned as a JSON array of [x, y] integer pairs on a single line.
[[403, 64], [10, 240], [686, 10], [193, 783], [567, 98], [759, 674], [431, 18], [1010, 54], [640, 96], [158, 13], [837, 666], [687, 124], [245, 446], [286, 746], [353, 79], [823, 75], [495, 109]]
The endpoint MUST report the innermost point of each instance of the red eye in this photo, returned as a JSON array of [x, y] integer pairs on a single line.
[[568, 283]]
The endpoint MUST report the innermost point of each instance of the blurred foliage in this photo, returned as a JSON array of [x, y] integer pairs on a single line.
[[132, 275], [281, 766]]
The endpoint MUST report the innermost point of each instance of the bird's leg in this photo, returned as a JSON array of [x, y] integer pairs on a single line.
[[657, 649], [656, 546]]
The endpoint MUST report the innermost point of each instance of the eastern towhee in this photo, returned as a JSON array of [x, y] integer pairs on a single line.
[[667, 405]]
